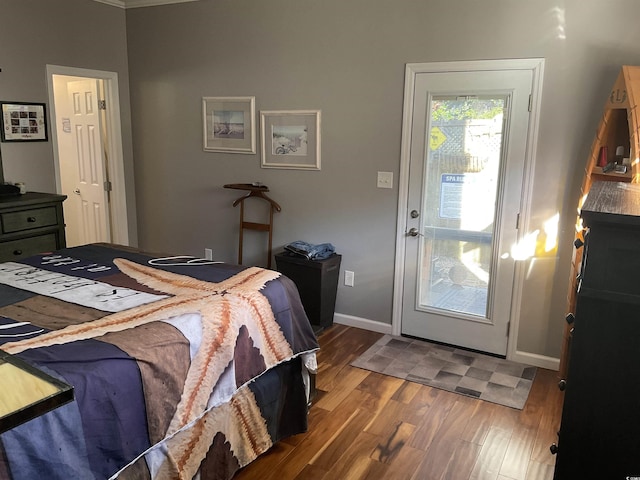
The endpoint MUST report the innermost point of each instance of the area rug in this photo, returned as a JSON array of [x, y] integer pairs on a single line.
[[456, 370]]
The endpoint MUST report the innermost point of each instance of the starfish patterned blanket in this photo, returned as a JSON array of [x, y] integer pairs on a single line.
[[179, 371]]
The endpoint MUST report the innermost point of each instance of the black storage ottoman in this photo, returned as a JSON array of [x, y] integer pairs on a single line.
[[317, 282]]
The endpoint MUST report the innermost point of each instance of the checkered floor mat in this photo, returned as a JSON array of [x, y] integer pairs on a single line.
[[468, 373]]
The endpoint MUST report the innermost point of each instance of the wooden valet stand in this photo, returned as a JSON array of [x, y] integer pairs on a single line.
[[258, 191]]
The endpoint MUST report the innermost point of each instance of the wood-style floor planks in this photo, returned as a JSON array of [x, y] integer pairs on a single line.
[[435, 417], [492, 453], [516, 460], [442, 448], [356, 460], [368, 426], [480, 422], [330, 453], [462, 461], [539, 471], [341, 388]]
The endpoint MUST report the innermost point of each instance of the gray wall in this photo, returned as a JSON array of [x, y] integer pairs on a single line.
[[70, 33], [346, 58]]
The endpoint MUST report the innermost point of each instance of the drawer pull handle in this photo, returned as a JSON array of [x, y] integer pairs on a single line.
[[17, 252], [31, 219]]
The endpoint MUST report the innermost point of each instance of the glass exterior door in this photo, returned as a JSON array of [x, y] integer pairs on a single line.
[[466, 168]]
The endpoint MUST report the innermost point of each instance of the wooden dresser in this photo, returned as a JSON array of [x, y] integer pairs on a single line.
[[599, 435], [29, 224]]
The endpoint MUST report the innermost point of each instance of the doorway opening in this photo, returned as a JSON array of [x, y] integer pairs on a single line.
[[89, 161]]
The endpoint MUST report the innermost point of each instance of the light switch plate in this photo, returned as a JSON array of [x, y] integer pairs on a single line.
[[348, 278]]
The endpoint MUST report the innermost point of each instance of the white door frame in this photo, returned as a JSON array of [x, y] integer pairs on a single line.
[[536, 65], [120, 225]]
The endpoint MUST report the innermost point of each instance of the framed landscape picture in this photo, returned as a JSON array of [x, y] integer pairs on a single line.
[[290, 139], [228, 124]]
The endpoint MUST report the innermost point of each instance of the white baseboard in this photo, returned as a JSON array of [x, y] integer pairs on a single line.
[[363, 323], [528, 358], [536, 360]]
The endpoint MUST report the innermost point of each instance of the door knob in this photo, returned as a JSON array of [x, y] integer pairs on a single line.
[[77, 191], [413, 232]]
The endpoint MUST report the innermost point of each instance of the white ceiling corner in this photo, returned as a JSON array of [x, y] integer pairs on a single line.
[[140, 3]]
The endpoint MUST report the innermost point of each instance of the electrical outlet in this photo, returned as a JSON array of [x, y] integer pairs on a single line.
[[208, 253], [385, 179], [348, 278]]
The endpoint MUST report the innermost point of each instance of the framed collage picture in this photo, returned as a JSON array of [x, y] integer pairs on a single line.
[[23, 122]]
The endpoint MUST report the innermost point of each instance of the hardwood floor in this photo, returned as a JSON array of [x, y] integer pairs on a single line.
[[364, 425]]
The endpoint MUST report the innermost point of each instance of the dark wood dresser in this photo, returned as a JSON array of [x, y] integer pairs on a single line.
[[29, 224], [599, 435]]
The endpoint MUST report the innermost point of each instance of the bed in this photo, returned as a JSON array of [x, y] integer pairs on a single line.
[[180, 369]]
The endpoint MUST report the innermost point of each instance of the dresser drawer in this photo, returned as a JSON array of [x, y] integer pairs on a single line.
[[28, 219], [25, 247]]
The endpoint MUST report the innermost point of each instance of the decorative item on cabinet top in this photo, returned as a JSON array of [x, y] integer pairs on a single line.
[[9, 190]]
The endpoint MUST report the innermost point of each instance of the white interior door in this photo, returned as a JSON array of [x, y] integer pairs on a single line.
[[66, 164], [89, 196], [467, 155]]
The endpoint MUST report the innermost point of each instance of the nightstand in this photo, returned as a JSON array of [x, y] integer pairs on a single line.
[[317, 282], [29, 224]]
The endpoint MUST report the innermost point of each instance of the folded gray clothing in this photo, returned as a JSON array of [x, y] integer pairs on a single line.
[[310, 251]]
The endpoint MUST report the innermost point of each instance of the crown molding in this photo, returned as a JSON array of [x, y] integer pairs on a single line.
[[140, 3], [113, 3], [152, 3]]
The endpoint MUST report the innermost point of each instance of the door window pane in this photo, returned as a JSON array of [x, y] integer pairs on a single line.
[[462, 170]]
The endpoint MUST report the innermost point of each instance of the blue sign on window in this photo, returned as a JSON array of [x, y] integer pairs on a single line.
[[451, 188]]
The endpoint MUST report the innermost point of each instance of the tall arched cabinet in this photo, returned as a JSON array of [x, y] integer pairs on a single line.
[[599, 434], [619, 126]]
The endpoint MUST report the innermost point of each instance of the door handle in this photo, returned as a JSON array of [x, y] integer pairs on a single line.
[[77, 191], [413, 232]]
